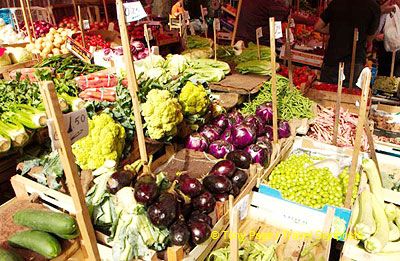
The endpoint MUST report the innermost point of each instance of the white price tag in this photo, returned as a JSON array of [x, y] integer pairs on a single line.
[[77, 127], [217, 24], [134, 11], [259, 33], [243, 207], [278, 30], [111, 26], [86, 24], [147, 33]]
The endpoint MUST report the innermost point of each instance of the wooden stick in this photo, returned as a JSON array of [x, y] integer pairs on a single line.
[[330, 215], [288, 55], [366, 80], [258, 35], [371, 145], [53, 110], [273, 79], [215, 40], [204, 20], [26, 21], [81, 26], [392, 65], [236, 22], [28, 7], [353, 57], [105, 10], [338, 102], [75, 10], [132, 84], [233, 230]]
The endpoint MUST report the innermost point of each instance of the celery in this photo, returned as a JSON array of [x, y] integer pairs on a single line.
[[15, 131], [5, 143], [75, 103], [28, 116]]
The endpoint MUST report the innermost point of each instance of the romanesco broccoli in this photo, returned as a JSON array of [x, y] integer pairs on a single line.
[[162, 114], [105, 141], [194, 99]]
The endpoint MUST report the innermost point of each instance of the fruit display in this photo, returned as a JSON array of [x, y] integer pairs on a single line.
[[301, 75], [96, 41], [9, 36], [40, 28]]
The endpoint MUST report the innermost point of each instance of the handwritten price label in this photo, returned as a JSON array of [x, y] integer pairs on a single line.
[[278, 30], [86, 25], [77, 127], [259, 33], [134, 11], [217, 24]]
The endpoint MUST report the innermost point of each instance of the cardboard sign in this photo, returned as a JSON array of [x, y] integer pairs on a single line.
[[86, 24], [259, 33], [134, 11], [217, 24], [77, 127], [278, 30]]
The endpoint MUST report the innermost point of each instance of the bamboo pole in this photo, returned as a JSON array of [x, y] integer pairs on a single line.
[[75, 10], [105, 10], [236, 22], [215, 40], [204, 20], [233, 230], [132, 84], [273, 80], [338, 102], [288, 55], [28, 7], [371, 145], [392, 65], [53, 110], [258, 35], [81, 26], [366, 80], [353, 57], [26, 21]]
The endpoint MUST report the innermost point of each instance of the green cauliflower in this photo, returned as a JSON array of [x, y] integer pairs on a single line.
[[162, 114], [194, 99], [105, 141]]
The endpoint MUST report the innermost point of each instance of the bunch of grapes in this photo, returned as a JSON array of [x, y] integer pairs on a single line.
[[307, 185]]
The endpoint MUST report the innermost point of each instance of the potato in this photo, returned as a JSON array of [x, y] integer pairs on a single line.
[[39, 40], [57, 44], [38, 46], [64, 51], [53, 30], [55, 51], [60, 30], [50, 37], [64, 33]]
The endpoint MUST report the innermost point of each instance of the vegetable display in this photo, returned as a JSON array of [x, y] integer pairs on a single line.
[[262, 67], [105, 141], [291, 103], [9, 36], [301, 75], [251, 251], [54, 43]]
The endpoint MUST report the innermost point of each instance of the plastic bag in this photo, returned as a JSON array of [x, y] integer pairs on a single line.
[[392, 31]]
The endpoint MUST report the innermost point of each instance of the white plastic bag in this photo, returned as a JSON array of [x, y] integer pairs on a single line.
[[392, 31]]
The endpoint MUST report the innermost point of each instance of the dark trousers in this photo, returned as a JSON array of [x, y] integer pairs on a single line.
[[329, 74], [385, 61]]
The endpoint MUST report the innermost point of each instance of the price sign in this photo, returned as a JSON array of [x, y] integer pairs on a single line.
[[278, 30], [111, 26], [217, 24], [86, 25], [243, 207], [259, 33], [134, 11], [77, 127]]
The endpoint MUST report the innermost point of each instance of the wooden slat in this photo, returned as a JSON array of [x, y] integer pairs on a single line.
[[273, 80], [338, 103]]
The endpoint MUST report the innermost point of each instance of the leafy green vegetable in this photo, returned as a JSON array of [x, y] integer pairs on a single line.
[[18, 92], [261, 67], [195, 41], [252, 251], [28, 116], [198, 53], [15, 132], [205, 63], [251, 53]]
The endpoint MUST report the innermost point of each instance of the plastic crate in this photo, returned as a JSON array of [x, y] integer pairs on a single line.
[[6, 15]]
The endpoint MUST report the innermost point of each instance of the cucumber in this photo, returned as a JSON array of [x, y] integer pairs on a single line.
[[6, 255], [38, 241], [43, 220], [70, 236]]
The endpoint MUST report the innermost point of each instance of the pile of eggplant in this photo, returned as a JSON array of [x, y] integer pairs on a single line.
[[231, 131]]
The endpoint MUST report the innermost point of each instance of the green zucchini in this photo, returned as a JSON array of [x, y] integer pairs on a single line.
[[43, 220], [70, 236], [6, 255], [38, 241]]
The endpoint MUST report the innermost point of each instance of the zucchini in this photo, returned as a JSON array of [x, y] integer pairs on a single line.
[[38, 241], [365, 225], [6, 255], [44, 220], [68, 237]]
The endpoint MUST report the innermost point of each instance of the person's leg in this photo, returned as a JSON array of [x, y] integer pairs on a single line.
[[384, 60], [329, 74]]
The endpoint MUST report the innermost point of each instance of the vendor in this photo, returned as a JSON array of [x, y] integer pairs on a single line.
[[339, 20], [177, 9], [256, 13]]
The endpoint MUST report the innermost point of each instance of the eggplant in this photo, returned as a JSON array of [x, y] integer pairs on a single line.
[[163, 212], [239, 178], [179, 233], [222, 197], [235, 191], [118, 180], [240, 158], [204, 203], [191, 187], [146, 189], [201, 217], [200, 232], [220, 148], [223, 168], [217, 184], [220, 121]]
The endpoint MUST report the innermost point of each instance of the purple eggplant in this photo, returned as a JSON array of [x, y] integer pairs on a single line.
[[146, 189], [243, 135], [239, 178], [223, 168], [212, 133], [240, 158], [258, 154], [283, 129], [220, 148], [201, 217], [197, 142], [179, 233], [204, 203], [163, 212], [227, 136], [217, 184], [200, 232], [265, 112], [220, 121], [191, 187], [256, 123], [264, 142]]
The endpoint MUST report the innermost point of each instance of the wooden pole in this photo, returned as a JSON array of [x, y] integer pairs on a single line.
[[75, 10], [132, 84], [371, 145], [215, 40], [392, 65], [353, 57], [81, 26], [203, 16], [288, 55], [28, 7], [258, 35], [366, 80], [233, 231], [53, 110], [26, 21], [105, 10], [236, 22], [338, 102], [273, 79]]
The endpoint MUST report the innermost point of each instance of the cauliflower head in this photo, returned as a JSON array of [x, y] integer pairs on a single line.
[[105, 141], [194, 99], [162, 114]]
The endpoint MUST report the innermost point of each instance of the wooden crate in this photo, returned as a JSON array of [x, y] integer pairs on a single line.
[[5, 71]]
